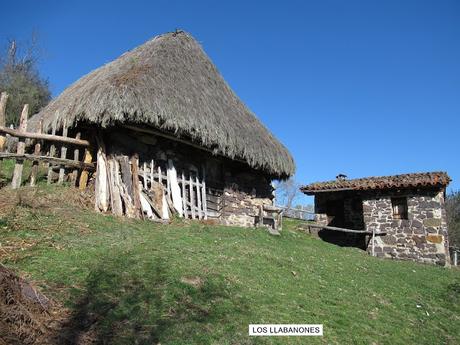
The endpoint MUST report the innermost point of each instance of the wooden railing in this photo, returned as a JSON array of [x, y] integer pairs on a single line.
[[55, 156]]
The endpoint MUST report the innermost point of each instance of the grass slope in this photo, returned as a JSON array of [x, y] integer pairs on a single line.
[[127, 281]]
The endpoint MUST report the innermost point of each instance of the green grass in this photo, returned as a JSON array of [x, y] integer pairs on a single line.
[[191, 283]]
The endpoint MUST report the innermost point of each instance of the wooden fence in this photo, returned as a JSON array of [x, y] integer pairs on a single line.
[[50, 150]]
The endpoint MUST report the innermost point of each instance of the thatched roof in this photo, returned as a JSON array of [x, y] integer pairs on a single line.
[[171, 84]]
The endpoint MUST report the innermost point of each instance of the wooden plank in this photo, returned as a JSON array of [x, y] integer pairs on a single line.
[[43, 136], [36, 163], [3, 101], [184, 196], [144, 175], [174, 188], [192, 197], [102, 186], [152, 167], [18, 167], [203, 197], [52, 151], [115, 195], [198, 198], [63, 154]]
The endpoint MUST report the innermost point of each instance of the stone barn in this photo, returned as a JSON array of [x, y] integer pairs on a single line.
[[408, 208], [170, 136]]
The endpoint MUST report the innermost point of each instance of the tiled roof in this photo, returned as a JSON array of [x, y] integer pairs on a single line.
[[429, 179]]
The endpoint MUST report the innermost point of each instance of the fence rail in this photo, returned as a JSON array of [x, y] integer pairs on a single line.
[[49, 150]]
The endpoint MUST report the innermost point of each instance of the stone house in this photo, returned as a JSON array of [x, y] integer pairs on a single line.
[[408, 210], [166, 129]]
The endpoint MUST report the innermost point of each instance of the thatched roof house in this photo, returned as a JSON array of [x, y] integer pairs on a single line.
[[168, 91], [171, 84]]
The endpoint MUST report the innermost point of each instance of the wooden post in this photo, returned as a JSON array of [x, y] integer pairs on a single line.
[[455, 257], [35, 164], [203, 191], [174, 188], [198, 198], [3, 100], [63, 154], [192, 196], [184, 196], [52, 152], [76, 156], [18, 167], [136, 190]]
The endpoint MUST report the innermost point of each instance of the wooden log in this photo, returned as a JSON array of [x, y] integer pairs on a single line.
[[63, 154], [174, 188], [184, 196], [136, 189], [3, 101], [115, 182], [203, 197], [192, 196], [52, 152], [48, 137], [18, 167], [334, 228], [36, 163], [198, 198], [76, 157]]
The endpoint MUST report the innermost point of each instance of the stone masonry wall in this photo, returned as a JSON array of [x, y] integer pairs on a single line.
[[422, 237]]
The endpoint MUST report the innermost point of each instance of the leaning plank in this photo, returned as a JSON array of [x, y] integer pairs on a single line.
[[136, 182], [102, 187], [198, 198], [18, 167], [192, 196], [35, 164], [67, 162], [174, 188], [114, 182], [203, 196], [47, 137], [63, 154], [184, 196], [3, 100]]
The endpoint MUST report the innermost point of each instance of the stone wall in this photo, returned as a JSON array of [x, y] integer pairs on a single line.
[[422, 237]]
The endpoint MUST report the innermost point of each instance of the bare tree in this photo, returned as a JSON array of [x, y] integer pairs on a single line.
[[453, 218], [287, 192], [20, 78]]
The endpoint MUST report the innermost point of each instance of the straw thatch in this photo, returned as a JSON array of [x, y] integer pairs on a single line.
[[171, 84]]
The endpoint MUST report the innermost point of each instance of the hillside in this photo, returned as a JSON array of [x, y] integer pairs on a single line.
[[195, 283]]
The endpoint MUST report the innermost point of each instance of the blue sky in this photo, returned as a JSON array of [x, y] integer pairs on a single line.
[[357, 87]]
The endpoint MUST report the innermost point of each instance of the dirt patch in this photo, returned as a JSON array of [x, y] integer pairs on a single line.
[[26, 315], [196, 281]]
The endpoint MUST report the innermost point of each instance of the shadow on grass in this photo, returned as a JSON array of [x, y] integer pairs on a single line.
[[125, 302]]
